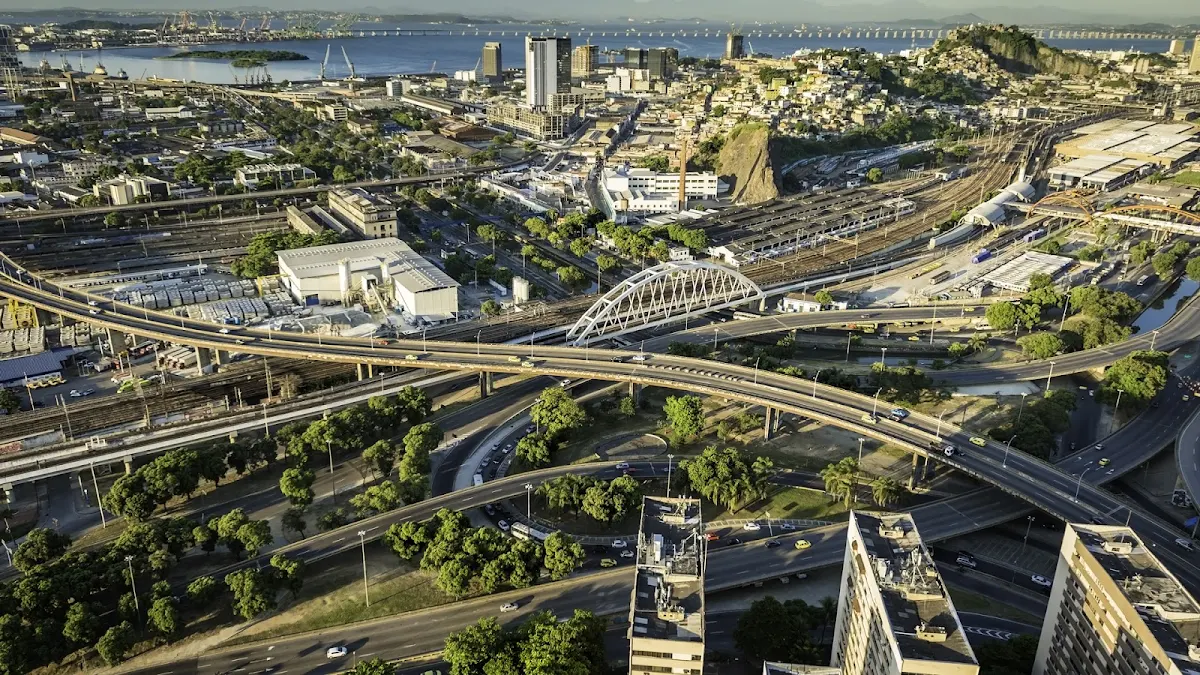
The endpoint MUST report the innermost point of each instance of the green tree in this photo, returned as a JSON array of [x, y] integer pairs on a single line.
[[775, 631], [408, 539], [296, 484], [581, 247], [202, 590], [82, 626], [556, 412], [415, 403], [1141, 375], [378, 498], [382, 456], [41, 546], [1140, 252], [885, 491], [572, 277], [115, 642], [331, 520], [686, 415], [840, 478], [9, 401], [626, 407], [1002, 315], [252, 592], [722, 476], [294, 520], [656, 163], [874, 174], [163, 617], [1041, 345], [255, 536], [1164, 264], [535, 450], [289, 573], [607, 263], [490, 308], [824, 297], [375, 666], [1193, 272], [467, 650]]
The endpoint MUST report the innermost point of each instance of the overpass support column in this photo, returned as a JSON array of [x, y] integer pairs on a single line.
[[914, 476], [222, 357], [128, 464], [6, 494], [117, 342], [635, 393], [203, 360], [358, 367], [486, 384], [770, 423]]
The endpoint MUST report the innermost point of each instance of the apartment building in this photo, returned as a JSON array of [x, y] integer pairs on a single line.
[[493, 60], [544, 126], [666, 616], [370, 216], [585, 60], [1116, 609], [634, 192], [894, 613], [547, 69], [281, 174]]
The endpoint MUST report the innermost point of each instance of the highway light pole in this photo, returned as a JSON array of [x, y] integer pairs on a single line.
[[1078, 481], [332, 479], [1049, 375], [1116, 408], [1026, 538], [1153, 337], [99, 501], [756, 371], [815, 382], [362, 541], [883, 357], [529, 500], [875, 408], [938, 434], [857, 467], [848, 336], [1007, 447], [669, 458], [133, 588], [1022, 408], [477, 337]]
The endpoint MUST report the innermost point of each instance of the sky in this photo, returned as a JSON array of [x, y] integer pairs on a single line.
[[743, 11]]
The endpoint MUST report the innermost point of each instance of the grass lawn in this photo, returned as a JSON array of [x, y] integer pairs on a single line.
[[336, 599], [1190, 178], [784, 502], [966, 601]]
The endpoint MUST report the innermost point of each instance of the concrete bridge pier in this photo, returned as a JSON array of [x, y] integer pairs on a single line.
[[771, 422], [487, 384], [117, 341], [203, 360], [635, 393], [128, 464], [6, 494], [222, 357]]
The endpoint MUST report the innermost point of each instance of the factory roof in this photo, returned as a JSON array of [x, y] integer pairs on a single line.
[[1014, 274], [918, 611], [668, 593], [1166, 608], [407, 267], [18, 368]]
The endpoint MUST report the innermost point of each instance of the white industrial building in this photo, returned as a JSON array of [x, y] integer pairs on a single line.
[[635, 192], [383, 272]]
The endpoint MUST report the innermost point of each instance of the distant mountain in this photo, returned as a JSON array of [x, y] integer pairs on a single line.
[[961, 20]]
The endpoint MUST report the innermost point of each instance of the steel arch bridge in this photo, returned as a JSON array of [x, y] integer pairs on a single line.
[[1178, 221], [663, 294]]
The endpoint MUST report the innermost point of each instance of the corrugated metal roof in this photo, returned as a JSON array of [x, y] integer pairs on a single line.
[[16, 369]]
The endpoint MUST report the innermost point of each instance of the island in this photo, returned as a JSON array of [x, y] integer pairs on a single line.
[[240, 58]]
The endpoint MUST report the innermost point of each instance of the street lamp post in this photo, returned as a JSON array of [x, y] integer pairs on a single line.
[[1007, 447], [756, 370], [858, 466], [875, 407], [133, 588], [938, 434], [1026, 538], [815, 383], [669, 458], [1079, 481], [1116, 408], [883, 357], [1049, 375], [477, 336], [770, 528], [332, 479], [1153, 337], [1022, 409], [529, 500], [362, 541]]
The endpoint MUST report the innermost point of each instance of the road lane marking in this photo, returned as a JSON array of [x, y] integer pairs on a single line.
[[407, 646], [337, 540]]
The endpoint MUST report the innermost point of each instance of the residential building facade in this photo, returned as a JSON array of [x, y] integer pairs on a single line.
[[493, 60], [585, 60], [547, 69], [370, 216]]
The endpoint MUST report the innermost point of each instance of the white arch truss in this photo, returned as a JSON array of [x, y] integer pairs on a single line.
[[663, 294]]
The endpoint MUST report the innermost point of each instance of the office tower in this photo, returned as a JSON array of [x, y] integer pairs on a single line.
[[733, 46], [10, 67], [547, 69], [1114, 608], [1176, 47], [585, 60], [635, 59], [1194, 66], [662, 62], [666, 615], [493, 61], [894, 614]]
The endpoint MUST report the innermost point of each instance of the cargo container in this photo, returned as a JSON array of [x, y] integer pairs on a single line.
[[982, 255]]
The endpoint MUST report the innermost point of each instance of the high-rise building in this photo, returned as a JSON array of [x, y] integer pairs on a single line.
[[734, 48], [894, 614], [662, 62], [1194, 66], [547, 69], [666, 615], [635, 58], [585, 60], [1177, 47], [10, 67], [493, 63], [1114, 608]]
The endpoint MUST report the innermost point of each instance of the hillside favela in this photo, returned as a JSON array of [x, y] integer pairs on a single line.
[[538, 338]]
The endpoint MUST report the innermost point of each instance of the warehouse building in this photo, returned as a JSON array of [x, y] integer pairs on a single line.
[[1164, 145], [632, 192], [1102, 172], [1014, 274], [381, 271]]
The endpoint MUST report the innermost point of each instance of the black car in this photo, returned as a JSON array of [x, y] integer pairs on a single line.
[[773, 544], [1097, 520], [733, 542]]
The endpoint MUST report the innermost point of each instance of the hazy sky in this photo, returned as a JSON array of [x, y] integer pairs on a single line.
[[744, 11]]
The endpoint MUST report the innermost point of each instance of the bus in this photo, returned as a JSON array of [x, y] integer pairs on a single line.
[[940, 277], [1143, 279], [523, 531], [926, 269]]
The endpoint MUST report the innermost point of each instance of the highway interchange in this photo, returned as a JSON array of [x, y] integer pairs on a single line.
[[1058, 490]]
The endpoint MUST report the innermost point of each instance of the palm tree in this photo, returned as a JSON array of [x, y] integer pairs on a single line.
[[978, 342], [885, 491], [826, 614], [840, 478]]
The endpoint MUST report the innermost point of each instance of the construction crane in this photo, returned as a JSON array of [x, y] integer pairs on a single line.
[[162, 32], [324, 63], [185, 21], [266, 24], [349, 63], [213, 26], [242, 26]]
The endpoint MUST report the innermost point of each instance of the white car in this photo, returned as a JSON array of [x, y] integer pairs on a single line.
[[335, 652], [752, 526], [787, 526], [627, 554], [1183, 542], [618, 543], [93, 303], [1040, 581], [224, 331], [621, 466], [503, 525], [508, 607]]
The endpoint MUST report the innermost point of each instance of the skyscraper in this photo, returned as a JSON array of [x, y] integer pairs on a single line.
[[493, 62], [734, 48], [10, 67], [547, 69], [666, 614], [584, 60], [635, 58], [894, 614], [1114, 608], [1194, 66], [662, 62], [1176, 48]]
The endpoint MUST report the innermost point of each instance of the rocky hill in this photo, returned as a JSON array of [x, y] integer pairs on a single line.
[[745, 163], [1019, 52]]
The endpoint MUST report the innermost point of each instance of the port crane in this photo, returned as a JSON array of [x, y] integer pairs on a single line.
[[349, 63], [324, 62]]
